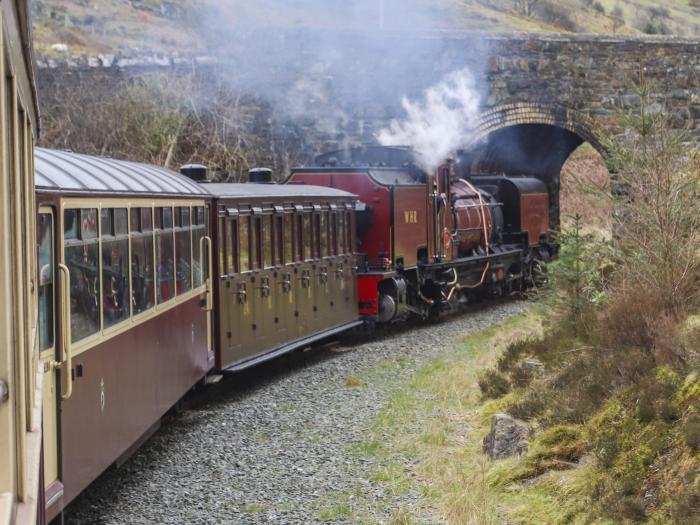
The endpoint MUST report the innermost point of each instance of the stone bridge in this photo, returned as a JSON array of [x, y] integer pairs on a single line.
[[543, 94]]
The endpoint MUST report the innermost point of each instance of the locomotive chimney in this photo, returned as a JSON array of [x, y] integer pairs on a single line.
[[260, 176], [196, 172]]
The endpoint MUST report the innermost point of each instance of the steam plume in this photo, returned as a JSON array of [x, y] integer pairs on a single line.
[[439, 124]]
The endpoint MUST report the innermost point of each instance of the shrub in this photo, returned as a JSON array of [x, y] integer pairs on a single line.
[[493, 384], [512, 354], [556, 14], [691, 431]]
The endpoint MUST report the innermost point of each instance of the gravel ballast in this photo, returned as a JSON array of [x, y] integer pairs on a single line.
[[274, 445]]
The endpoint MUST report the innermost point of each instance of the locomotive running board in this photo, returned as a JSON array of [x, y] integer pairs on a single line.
[[289, 347], [468, 260]]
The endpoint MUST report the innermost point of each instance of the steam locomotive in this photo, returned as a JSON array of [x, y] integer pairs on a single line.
[[435, 241]]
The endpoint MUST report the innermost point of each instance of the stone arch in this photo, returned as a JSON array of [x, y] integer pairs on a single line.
[[533, 139], [528, 113]]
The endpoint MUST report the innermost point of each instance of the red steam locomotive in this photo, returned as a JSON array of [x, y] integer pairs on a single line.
[[431, 242]]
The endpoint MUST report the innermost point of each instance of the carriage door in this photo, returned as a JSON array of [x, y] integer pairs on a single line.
[[50, 350]]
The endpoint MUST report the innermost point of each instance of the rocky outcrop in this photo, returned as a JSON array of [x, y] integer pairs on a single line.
[[508, 437]]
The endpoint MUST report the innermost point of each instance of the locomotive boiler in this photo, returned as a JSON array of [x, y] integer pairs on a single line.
[[434, 241]]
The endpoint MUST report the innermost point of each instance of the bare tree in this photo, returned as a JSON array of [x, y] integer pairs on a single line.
[[171, 119]]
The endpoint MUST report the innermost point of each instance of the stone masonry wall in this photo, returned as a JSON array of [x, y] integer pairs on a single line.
[[586, 78]]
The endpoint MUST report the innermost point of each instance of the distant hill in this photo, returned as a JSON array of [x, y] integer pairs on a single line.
[[106, 26]]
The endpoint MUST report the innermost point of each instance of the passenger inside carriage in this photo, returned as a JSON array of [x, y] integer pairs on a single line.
[[81, 256], [115, 256], [115, 306]]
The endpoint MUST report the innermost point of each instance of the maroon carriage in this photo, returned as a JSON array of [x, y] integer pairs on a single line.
[[124, 323]]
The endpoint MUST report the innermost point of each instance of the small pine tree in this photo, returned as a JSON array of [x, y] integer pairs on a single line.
[[580, 273]]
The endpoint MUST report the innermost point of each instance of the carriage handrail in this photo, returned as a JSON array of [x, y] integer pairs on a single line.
[[67, 353]]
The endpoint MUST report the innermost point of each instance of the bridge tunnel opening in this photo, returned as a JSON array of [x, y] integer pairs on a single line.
[[553, 154]]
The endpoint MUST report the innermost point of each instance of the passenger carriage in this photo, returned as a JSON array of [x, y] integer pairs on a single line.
[[124, 308], [285, 269]]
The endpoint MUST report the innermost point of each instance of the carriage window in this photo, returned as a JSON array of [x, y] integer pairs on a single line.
[[233, 240], [46, 288], [198, 232], [164, 255], [81, 252], [255, 235], [229, 266], [279, 240], [244, 244], [333, 233], [183, 249], [142, 289], [267, 241], [299, 238], [349, 248], [316, 244], [341, 233], [115, 261], [323, 234], [288, 238], [71, 224], [307, 235]]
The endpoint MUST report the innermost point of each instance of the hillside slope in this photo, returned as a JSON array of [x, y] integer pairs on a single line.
[[105, 26]]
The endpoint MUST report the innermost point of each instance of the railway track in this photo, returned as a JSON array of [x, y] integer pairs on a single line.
[[273, 444]]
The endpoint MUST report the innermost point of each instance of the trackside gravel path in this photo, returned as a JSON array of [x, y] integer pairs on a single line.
[[275, 445]]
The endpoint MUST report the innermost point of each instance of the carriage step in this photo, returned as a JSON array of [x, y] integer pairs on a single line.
[[213, 379]]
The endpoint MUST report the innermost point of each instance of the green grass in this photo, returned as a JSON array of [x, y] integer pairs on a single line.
[[335, 512], [428, 436]]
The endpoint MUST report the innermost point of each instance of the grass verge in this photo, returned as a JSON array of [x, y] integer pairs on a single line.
[[429, 437]]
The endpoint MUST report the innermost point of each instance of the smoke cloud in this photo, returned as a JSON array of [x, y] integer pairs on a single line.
[[343, 67], [436, 126]]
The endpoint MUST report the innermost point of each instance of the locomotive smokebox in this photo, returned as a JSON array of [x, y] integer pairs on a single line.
[[196, 172], [260, 176]]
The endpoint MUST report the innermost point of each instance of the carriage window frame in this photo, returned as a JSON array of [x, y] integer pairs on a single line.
[[323, 234], [308, 236], [47, 279], [139, 231], [109, 236], [267, 241], [65, 240], [165, 224], [183, 226], [289, 237], [278, 235], [315, 235], [299, 237], [232, 239], [77, 240], [349, 239], [244, 233]]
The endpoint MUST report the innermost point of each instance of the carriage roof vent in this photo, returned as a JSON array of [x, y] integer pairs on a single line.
[[260, 176], [196, 172]]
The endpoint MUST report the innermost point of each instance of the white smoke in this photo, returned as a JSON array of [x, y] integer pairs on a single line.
[[445, 120]]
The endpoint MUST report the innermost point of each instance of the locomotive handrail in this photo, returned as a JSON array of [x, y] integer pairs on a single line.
[[67, 353]]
